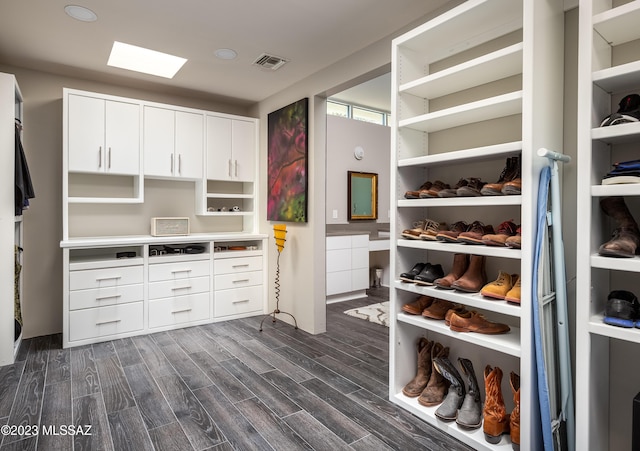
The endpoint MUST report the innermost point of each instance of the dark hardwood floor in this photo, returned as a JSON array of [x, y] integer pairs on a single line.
[[221, 386]]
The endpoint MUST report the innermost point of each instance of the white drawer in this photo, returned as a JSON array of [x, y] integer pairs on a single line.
[[179, 310], [359, 279], [178, 270], [100, 297], [360, 258], [179, 287], [233, 265], [103, 321], [338, 242], [338, 282], [238, 280], [234, 302], [339, 260], [360, 241], [106, 277]]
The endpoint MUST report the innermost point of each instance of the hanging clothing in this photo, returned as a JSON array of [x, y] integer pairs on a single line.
[[23, 187]]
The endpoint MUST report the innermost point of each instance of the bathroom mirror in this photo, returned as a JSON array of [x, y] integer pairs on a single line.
[[362, 195]]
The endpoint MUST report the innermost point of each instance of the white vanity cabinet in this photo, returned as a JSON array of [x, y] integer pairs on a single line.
[[231, 148], [104, 135], [173, 143], [347, 267]]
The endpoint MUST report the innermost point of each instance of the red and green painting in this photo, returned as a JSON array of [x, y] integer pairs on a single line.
[[287, 163]]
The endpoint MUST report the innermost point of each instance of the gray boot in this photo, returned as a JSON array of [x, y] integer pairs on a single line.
[[448, 410], [470, 414]]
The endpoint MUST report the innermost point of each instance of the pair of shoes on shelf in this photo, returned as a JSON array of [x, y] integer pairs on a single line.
[[466, 187], [426, 229], [506, 230], [509, 182], [423, 274], [427, 189], [622, 309], [626, 238], [461, 232], [496, 420], [427, 385], [467, 274], [459, 319], [463, 406], [628, 111], [505, 287]]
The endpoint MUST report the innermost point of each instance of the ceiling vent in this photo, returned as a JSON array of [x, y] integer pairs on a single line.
[[270, 61]]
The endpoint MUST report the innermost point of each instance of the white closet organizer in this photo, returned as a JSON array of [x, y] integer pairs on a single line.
[[469, 90], [10, 230], [606, 367]]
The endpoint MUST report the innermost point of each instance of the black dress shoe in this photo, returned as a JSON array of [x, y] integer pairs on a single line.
[[429, 274], [417, 269]]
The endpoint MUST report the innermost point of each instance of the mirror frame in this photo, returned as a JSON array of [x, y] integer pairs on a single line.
[[370, 194]]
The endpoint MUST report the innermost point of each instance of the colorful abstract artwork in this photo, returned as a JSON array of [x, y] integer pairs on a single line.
[[287, 163]]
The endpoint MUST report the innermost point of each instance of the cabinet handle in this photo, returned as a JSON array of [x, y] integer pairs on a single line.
[[102, 298], [240, 301], [230, 168], [240, 266], [181, 311], [102, 279], [109, 158], [107, 322], [100, 156], [174, 271], [172, 163], [185, 287], [241, 281], [236, 165], [179, 163]]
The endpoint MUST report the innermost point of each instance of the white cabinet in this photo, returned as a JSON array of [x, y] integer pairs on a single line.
[[606, 367], [173, 143], [469, 90], [347, 267], [239, 286], [231, 149], [104, 135]]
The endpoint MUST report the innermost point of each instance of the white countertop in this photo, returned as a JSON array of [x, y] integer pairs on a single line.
[[105, 241]]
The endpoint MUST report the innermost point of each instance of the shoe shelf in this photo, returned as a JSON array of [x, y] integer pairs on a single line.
[[618, 25], [617, 134], [598, 327], [473, 154], [616, 264], [488, 251], [474, 438], [461, 201], [630, 189], [617, 78]]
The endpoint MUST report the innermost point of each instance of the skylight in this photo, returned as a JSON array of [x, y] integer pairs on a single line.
[[139, 59]]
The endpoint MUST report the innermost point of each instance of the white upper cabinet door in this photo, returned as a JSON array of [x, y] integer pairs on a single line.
[[231, 149], [219, 163], [243, 145], [159, 141], [189, 145], [104, 136], [122, 138]]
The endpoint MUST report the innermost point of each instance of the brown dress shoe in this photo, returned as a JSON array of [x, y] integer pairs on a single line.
[[514, 418], [460, 265], [505, 230], [438, 309], [414, 233], [451, 235], [476, 322], [423, 373], [514, 187], [459, 310], [472, 188], [496, 420], [436, 388], [434, 190], [475, 232], [453, 192], [431, 229], [416, 307], [415, 194], [474, 278], [515, 241]]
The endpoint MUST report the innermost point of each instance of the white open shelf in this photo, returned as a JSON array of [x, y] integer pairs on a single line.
[[480, 249], [616, 78], [596, 326], [473, 154], [617, 264], [626, 189], [617, 133], [461, 201], [619, 25]]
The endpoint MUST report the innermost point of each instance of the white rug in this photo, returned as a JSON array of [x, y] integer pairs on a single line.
[[375, 313]]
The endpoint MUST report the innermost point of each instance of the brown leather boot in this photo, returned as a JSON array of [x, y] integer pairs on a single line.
[[436, 388], [626, 238], [419, 382], [474, 278], [496, 420], [460, 265], [514, 418]]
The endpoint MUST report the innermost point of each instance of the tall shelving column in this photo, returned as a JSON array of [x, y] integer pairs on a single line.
[[470, 89], [10, 225], [606, 367]]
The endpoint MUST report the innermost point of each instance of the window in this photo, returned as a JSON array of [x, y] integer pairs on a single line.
[[362, 114], [338, 109], [358, 113]]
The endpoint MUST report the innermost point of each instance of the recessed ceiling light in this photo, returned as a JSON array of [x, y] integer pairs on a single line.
[[80, 13], [139, 59], [226, 54]]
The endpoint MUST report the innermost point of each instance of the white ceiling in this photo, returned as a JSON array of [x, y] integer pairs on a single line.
[[37, 34]]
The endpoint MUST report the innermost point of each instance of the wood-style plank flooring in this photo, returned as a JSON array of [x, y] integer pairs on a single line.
[[221, 386]]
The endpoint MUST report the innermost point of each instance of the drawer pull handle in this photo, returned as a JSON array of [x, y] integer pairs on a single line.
[[174, 271], [240, 266], [241, 281], [107, 322], [102, 298], [186, 287], [182, 311], [240, 301], [102, 279]]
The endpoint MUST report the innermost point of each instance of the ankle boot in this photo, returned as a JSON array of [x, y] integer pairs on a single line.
[[419, 382], [496, 420], [470, 414], [626, 238], [449, 408], [460, 265], [436, 388], [474, 278], [514, 418]]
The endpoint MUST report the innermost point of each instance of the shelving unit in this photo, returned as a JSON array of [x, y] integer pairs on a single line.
[[11, 226], [608, 69], [469, 90]]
